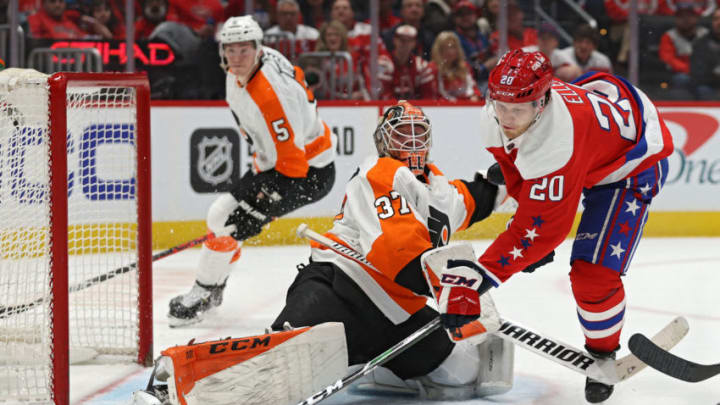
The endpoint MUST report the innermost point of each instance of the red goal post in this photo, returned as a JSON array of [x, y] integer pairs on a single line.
[[74, 205]]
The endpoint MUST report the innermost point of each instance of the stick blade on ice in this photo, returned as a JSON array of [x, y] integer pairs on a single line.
[[668, 363]]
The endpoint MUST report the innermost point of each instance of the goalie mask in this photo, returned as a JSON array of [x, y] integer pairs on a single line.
[[239, 29], [404, 134]]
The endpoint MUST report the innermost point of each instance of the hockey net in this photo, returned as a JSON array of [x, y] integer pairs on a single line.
[[74, 205]]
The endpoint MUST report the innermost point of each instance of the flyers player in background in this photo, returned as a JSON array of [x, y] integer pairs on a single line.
[[599, 138], [292, 165]]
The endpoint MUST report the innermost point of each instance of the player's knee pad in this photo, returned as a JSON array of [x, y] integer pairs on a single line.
[[216, 257], [277, 368], [593, 282], [600, 299], [218, 214]]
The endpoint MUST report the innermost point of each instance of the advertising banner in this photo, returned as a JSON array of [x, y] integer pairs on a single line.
[[198, 152]]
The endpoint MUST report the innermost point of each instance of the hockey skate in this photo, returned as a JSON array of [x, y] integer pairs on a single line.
[[595, 391], [191, 308]]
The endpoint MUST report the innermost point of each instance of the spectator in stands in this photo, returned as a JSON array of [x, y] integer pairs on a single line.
[[619, 31], [409, 77], [103, 22], [289, 36], [358, 36], [387, 17], [153, 13], [51, 21], [315, 12], [454, 76], [411, 13], [333, 38], [676, 45], [342, 11], [438, 15], [563, 66], [476, 46], [288, 17], [583, 52], [262, 10], [518, 35], [200, 15], [702, 8], [705, 62], [489, 13]]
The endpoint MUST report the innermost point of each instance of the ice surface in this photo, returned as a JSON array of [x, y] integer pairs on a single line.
[[669, 277]]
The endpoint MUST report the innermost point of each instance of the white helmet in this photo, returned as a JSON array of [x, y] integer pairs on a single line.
[[239, 29]]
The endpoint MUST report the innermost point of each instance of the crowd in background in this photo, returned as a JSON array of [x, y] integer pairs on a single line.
[[429, 49]]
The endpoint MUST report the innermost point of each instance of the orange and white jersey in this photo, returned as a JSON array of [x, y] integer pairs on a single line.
[[278, 115], [392, 218]]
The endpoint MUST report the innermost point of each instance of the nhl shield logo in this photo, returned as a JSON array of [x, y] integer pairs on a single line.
[[214, 159], [214, 163]]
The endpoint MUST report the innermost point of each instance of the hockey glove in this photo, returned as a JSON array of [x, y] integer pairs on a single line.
[[248, 221], [545, 260], [456, 283], [494, 175]]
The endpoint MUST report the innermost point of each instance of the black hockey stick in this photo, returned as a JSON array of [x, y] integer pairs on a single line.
[[8, 311], [668, 363]]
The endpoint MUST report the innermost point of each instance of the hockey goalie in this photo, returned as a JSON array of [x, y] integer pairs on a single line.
[[399, 212]]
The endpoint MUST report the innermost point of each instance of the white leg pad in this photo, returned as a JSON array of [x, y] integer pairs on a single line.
[[286, 374], [497, 364]]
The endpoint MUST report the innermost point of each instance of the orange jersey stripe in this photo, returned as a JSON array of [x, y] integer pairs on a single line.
[[319, 145], [291, 160], [408, 300], [403, 237]]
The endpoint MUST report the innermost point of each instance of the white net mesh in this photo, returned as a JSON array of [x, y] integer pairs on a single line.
[[102, 228]]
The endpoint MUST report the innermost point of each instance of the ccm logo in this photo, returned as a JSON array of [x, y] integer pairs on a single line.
[[240, 344], [457, 280]]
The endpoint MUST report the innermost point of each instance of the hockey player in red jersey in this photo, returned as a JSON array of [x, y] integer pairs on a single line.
[[599, 138]]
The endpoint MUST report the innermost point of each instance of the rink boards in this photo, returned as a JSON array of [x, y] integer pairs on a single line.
[[197, 151]]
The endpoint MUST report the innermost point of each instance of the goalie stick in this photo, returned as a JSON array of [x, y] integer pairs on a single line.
[[7, 311], [371, 365], [606, 371], [668, 363]]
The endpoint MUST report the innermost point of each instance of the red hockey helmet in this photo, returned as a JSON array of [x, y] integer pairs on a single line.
[[520, 77]]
